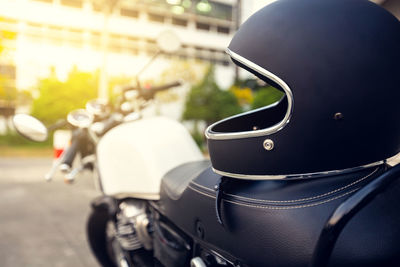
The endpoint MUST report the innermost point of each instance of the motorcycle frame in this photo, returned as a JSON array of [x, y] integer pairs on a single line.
[[346, 211]]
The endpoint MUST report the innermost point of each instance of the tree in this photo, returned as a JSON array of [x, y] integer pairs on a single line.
[[266, 96], [207, 102], [187, 70], [8, 92], [244, 95], [58, 98]]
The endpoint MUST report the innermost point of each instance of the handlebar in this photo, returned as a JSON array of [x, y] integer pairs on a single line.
[[148, 93], [58, 124], [79, 142], [69, 155], [164, 87], [110, 123]]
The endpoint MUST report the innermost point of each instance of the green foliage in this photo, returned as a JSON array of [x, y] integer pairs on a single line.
[[15, 140], [58, 98], [8, 92], [207, 102], [198, 137], [24, 97], [266, 96]]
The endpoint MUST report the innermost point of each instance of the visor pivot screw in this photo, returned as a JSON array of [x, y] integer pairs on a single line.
[[268, 144], [338, 116]]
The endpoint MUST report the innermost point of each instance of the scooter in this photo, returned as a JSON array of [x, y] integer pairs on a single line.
[[164, 204]]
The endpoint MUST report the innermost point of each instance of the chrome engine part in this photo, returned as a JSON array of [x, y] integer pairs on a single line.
[[132, 225]]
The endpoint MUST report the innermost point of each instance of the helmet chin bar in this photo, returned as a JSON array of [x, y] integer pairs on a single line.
[[219, 135], [210, 134], [299, 176]]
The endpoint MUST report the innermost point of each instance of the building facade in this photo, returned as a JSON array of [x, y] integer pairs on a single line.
[[61, 34]]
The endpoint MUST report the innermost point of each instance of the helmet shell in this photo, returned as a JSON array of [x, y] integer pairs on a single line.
[[338, 62]]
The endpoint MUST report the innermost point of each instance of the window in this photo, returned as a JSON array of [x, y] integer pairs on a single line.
[[8, 71], [224, 59], [225, 62], [8, 33], [8, 20], [75, 37], [45, 1], [55, 35], [222, 11], [126, 12], [203, 26], [72, 3], [132, 45], [97, 7], [34, 32], [213, 9], [222, 29], [133, 50], [218, 10], [183, 56], [95, 40], [115, 43], [179, 22], [155, 17], [202, 53], [151, 47], [151, 41]]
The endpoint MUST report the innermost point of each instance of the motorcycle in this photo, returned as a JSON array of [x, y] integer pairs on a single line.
[[164, 204], [119, 223]]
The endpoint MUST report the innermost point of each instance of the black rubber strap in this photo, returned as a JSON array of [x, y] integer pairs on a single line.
[[219, 189]]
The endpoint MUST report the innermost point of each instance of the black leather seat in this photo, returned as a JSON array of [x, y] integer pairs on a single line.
[[177, 179], [277, 223]]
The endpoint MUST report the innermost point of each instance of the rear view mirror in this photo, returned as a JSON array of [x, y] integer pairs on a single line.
[[30, 127], [168, 42]]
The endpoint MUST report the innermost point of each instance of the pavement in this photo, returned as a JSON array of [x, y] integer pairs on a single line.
[[43, 223]]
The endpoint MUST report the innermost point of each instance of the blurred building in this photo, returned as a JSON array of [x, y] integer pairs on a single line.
[[64, 33], [41, 36], [60, 34]]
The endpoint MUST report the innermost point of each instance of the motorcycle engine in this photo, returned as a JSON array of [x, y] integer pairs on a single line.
[[133, 225]]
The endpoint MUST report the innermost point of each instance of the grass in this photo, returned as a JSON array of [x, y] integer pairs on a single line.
[[20, 152], [14, 145]]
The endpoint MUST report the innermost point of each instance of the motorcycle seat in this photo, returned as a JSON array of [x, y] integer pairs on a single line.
[[279, 222], [176, 180]]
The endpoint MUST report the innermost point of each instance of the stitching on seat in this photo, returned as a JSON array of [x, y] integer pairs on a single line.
[[202, 193], [202, 186], [277, 207], [309, 198], [293, 207], [302, 199]]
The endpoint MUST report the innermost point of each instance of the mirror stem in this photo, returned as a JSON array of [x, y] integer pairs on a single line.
[[146, 66]]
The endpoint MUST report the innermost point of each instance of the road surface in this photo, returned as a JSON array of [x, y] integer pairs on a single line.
[[43, 224]]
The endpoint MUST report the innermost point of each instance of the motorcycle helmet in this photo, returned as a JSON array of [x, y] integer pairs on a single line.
[[338, 63]]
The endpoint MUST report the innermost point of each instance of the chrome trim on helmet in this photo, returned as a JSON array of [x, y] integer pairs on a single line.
[[270, 130], [297, 176]]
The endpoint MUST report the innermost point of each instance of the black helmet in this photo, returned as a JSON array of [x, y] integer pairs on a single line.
[[338, 63]]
